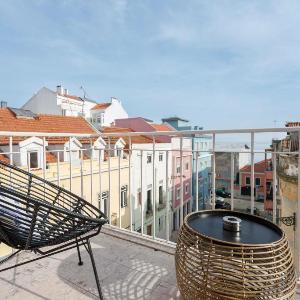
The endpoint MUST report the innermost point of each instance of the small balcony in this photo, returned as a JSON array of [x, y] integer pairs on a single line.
[[135, 253]]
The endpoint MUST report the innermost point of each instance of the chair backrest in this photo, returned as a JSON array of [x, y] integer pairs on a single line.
[[35, 212]]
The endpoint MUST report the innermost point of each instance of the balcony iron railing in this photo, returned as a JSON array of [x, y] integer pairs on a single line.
[[89, 176]]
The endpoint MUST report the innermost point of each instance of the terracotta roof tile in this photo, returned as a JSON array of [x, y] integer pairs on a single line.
[[101, 106], [43, 123], [259, 167], [50, 157], [4, 158], [161, 127], [292, 124], [141, 139]]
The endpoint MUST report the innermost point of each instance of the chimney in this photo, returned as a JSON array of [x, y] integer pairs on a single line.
[[59, 89], [66, 92], [3, 104], [114, 99]]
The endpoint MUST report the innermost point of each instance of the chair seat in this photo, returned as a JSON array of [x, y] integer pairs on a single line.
[[36, 213]]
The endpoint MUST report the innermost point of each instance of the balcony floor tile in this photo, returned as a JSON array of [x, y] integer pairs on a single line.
[[126, 271]]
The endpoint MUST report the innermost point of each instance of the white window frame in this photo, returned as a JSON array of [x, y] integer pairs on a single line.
[[37, 158]]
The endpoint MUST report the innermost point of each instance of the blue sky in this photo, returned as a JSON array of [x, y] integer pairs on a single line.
[[220, 64]]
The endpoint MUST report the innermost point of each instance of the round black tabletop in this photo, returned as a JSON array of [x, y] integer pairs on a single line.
[[254, 230]]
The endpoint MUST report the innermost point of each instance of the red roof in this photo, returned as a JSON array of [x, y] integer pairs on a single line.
[[141, 139], [43, 123], [50, 157], [161, 127], [101, 106], [259, 167], [292, 124], [4, 158]]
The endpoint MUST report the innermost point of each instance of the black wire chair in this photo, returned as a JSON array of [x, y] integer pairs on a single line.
[[35, 214]]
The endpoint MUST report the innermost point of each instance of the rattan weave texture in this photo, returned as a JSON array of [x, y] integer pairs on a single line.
[[207, 268]]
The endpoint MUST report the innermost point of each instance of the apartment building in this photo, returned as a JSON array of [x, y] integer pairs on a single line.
[[61, 102], [180, 182], [149, 184], [201, 164], [78, 162]]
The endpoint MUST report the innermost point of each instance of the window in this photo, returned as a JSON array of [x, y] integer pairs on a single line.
[[103, 200], [160, 195], [124, 196], [178, 191], [33, 160], [178, 169], [149, 201], [63, 112], [149, 158], [186, 188], [139, 197], [248, 180], [160, 156], [257, 181], [119, 152], [186, 166], [99, 119], [160, 223]]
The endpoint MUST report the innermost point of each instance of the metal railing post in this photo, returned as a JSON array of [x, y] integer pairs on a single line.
[[91, 168], [197, 182], [274, 166], [181, 182], [11, 150], [81, 173], [213, 171], [167, 198], [129, 183], [142, 193], [70, 163], [57, 167], [252, 175], [154, 188], [232, 181], [297, 234], [109, 183], [119, 189], [100, 182]]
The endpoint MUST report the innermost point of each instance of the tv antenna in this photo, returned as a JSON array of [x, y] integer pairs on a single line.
[[84, 92]]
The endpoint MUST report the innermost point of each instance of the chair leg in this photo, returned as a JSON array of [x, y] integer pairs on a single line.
[[80, 263], [90, 252]]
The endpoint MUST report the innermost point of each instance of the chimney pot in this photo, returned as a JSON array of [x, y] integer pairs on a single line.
[[59, 89]]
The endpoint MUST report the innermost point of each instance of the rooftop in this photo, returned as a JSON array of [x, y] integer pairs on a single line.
[[101, 106], [43, 123], [126, 271]]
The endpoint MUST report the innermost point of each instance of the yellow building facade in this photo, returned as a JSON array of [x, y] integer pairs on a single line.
[[90, 180]]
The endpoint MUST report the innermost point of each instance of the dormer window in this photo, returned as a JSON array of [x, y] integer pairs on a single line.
[[33, 159]]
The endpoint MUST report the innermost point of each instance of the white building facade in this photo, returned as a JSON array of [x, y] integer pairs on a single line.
[[149, 183]]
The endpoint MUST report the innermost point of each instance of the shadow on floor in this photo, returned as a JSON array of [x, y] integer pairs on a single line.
[[125, 273]]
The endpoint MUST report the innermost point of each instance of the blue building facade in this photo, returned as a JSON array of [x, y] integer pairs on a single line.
[[201, 145]]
